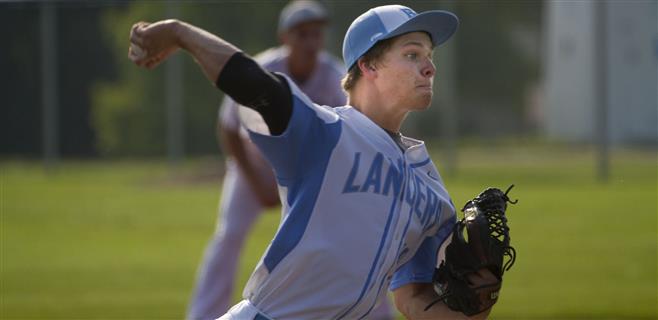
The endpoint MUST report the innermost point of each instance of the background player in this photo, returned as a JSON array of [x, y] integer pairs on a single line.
[[249, 185], [347, 232]]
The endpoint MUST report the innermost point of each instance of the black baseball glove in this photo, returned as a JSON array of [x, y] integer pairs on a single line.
[[486, 246]]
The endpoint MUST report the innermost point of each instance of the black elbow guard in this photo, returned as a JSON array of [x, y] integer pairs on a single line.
[[250, 85]]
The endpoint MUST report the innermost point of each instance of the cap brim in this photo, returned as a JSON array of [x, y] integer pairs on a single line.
[[440, 25], [323, 19]]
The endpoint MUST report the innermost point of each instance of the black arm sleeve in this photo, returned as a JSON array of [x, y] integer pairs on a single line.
[[250, 85]]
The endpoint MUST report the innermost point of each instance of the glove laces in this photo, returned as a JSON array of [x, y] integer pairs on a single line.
[[500, 230]]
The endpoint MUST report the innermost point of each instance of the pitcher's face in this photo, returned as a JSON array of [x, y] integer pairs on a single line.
[[406, 73]]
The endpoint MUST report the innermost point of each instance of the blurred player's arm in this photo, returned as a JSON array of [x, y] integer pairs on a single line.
[[223, 63], [234, 145], [412, 299]]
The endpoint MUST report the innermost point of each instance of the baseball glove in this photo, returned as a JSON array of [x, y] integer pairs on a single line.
[[486, 246]]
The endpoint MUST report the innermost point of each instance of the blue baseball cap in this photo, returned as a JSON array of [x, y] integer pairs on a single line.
[[386, 22], [300, 11]]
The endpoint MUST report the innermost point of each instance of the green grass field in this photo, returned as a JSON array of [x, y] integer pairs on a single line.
[[122, 240]]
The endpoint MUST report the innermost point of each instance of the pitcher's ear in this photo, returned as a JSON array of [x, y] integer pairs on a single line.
[[368, 69]]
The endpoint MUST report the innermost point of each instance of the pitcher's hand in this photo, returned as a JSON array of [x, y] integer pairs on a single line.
[[152, 43]]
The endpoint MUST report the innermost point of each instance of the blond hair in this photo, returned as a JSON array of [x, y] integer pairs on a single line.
[[372, 57]]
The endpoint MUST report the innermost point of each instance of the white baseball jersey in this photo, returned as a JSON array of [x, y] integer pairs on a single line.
[[240, 206], [323, 86], [359, 215]]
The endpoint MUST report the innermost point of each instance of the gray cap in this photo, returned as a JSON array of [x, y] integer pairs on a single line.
[[300, 11]]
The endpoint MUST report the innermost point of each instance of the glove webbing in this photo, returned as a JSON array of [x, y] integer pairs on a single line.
[[497, 223]]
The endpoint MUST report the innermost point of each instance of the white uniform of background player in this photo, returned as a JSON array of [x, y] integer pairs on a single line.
[[249, 186]]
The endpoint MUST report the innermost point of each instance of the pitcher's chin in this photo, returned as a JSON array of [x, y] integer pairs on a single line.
[[424, 101]]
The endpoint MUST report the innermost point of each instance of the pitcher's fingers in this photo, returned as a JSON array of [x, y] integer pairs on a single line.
[[137, 39], [141, 26], [138, 51], [136, 59], [133, 29], [137, 34], [132, 55]]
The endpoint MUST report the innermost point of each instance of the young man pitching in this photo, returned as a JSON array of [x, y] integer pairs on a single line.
[[364, 207]]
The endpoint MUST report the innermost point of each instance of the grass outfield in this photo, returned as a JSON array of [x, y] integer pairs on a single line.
[[123, 239]]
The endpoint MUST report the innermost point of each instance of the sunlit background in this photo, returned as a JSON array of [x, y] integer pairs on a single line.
[[110, 175]]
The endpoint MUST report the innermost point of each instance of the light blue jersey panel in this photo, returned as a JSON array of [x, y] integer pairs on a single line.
[[355, 210], [420, 269], [300, 165]]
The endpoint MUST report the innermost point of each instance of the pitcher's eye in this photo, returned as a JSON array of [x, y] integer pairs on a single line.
[[412, 56]]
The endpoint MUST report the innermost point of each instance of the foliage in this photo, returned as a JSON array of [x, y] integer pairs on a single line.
[[81, 58], [129, 114]]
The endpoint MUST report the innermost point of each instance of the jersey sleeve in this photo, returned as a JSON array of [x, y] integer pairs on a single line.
[[228, 114], [420, 269], [308, 139]]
